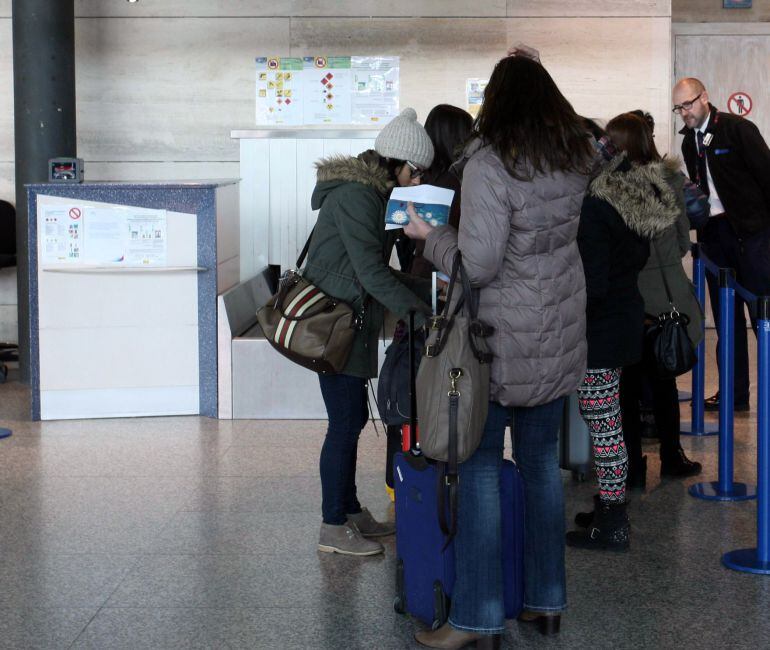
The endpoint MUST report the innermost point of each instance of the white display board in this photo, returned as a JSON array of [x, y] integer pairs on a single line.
[[117, 338]]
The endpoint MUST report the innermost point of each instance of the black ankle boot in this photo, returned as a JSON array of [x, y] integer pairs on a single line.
[[609, 530], [637, 475], [584, 519], [679, 466]]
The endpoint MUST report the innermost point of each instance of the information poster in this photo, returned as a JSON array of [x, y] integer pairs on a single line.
[[474, 94], [61, 237], [103, 236], [327, 84], [375, 89], [327, 90], [279, 96]]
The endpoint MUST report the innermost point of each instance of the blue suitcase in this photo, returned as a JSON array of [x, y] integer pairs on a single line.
[[425, 574]]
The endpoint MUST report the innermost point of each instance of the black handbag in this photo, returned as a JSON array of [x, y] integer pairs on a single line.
[[668, 339]]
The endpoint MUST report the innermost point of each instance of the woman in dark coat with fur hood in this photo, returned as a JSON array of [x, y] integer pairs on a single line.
[[627, 205]]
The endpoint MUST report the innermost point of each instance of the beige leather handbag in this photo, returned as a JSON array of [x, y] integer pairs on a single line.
[[453, 388]]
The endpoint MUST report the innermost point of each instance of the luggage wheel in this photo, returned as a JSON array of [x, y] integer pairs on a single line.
[[440, 606], [399, 602]]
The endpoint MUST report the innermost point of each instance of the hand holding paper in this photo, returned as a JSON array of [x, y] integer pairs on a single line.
[[431, 204]]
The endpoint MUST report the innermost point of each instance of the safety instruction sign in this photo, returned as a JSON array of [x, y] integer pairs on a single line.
[[103, 235], [279, 90], [323, 89], [375, 89], [326, 90], [740, 103], [474, 94]]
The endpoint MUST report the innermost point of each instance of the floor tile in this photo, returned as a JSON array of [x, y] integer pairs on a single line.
[[30, 629]]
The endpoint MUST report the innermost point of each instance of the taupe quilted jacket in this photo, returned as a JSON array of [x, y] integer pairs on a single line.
[[518, 242]]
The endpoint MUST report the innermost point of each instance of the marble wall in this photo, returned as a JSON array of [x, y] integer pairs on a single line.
[[161, 83]]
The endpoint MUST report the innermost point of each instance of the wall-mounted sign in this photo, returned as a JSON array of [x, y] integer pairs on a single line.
[[327, 90], [474, 94], [740, 103], [736, 4]]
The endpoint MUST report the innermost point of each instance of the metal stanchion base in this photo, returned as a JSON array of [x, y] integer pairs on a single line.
[[745, 560], [711, 492], [684, 396], [5, 433], [709, 429]]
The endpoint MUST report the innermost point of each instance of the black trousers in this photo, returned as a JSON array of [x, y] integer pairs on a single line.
[[665, 407], [750, 257]]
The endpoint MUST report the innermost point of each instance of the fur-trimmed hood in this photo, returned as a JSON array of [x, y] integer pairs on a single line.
[[641, 194], [338, 170]]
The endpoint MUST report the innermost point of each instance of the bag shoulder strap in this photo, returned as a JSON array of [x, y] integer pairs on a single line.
[[448, 477], [305, 249]]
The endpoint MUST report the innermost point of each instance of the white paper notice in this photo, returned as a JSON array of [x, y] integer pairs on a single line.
[[124, 236], [61, 239], [327, 83], [279, 95], [375, 89], [147, 239]]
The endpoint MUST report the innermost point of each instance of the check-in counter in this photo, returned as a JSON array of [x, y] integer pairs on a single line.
[[124, 279]]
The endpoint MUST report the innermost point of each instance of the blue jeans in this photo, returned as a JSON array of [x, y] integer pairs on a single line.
[[346, 405], [477, 599]]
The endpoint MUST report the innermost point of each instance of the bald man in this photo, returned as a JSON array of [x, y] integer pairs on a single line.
[[727, 157]]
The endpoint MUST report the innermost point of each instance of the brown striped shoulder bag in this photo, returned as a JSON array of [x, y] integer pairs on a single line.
[[308, 326]]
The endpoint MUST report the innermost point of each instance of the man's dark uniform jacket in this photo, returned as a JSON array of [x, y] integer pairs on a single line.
[[739, 162]]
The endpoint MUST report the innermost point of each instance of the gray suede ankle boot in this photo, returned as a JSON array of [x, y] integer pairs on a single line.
[[347, 540], [369, 526]]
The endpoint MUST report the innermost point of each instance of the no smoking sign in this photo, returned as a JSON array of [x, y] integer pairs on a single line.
[[740, 103]]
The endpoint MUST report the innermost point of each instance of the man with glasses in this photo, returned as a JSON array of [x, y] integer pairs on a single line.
[[730, 161]]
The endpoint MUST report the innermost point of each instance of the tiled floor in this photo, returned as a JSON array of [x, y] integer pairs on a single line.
[[197, 533]]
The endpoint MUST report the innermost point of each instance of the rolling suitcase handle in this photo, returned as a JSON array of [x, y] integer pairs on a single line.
[[410, 431]]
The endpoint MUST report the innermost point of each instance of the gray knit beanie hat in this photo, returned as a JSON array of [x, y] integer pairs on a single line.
[[404, 138]]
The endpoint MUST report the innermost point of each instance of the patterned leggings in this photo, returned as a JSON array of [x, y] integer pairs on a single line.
[[599, 399]]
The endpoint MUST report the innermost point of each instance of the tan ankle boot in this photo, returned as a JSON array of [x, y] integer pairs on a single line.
[[448, 638]]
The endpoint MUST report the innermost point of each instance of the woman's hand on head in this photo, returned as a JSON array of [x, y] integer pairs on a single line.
[[416, 228]]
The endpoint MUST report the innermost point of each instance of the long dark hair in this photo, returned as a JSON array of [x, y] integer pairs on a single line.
[[448, 128], [632, 134], [526, 118]]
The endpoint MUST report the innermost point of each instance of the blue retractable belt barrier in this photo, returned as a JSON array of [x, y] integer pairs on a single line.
[[757, 560], [697, 426], [725, 489]]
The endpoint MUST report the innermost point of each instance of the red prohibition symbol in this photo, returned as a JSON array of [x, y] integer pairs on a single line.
[[740, 103], [75, 213]]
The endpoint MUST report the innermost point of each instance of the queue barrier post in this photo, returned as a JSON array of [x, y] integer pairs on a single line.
[[697, 425], [757, 560], [725, 489]]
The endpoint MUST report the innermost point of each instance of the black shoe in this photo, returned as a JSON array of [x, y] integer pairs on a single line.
[[547, 624], [679, 466], [637, 475], [584, 519], [609, 531], [712, 404]]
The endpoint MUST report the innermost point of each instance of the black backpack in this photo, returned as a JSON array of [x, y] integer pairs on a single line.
[[393, 387]]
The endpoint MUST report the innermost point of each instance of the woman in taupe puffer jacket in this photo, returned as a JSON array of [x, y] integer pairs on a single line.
[[522, 189]]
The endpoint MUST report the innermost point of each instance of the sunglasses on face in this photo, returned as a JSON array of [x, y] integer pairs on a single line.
[[685, 106], [414, 170]]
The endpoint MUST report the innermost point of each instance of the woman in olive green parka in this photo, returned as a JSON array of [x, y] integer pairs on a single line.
[[348, 259]]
